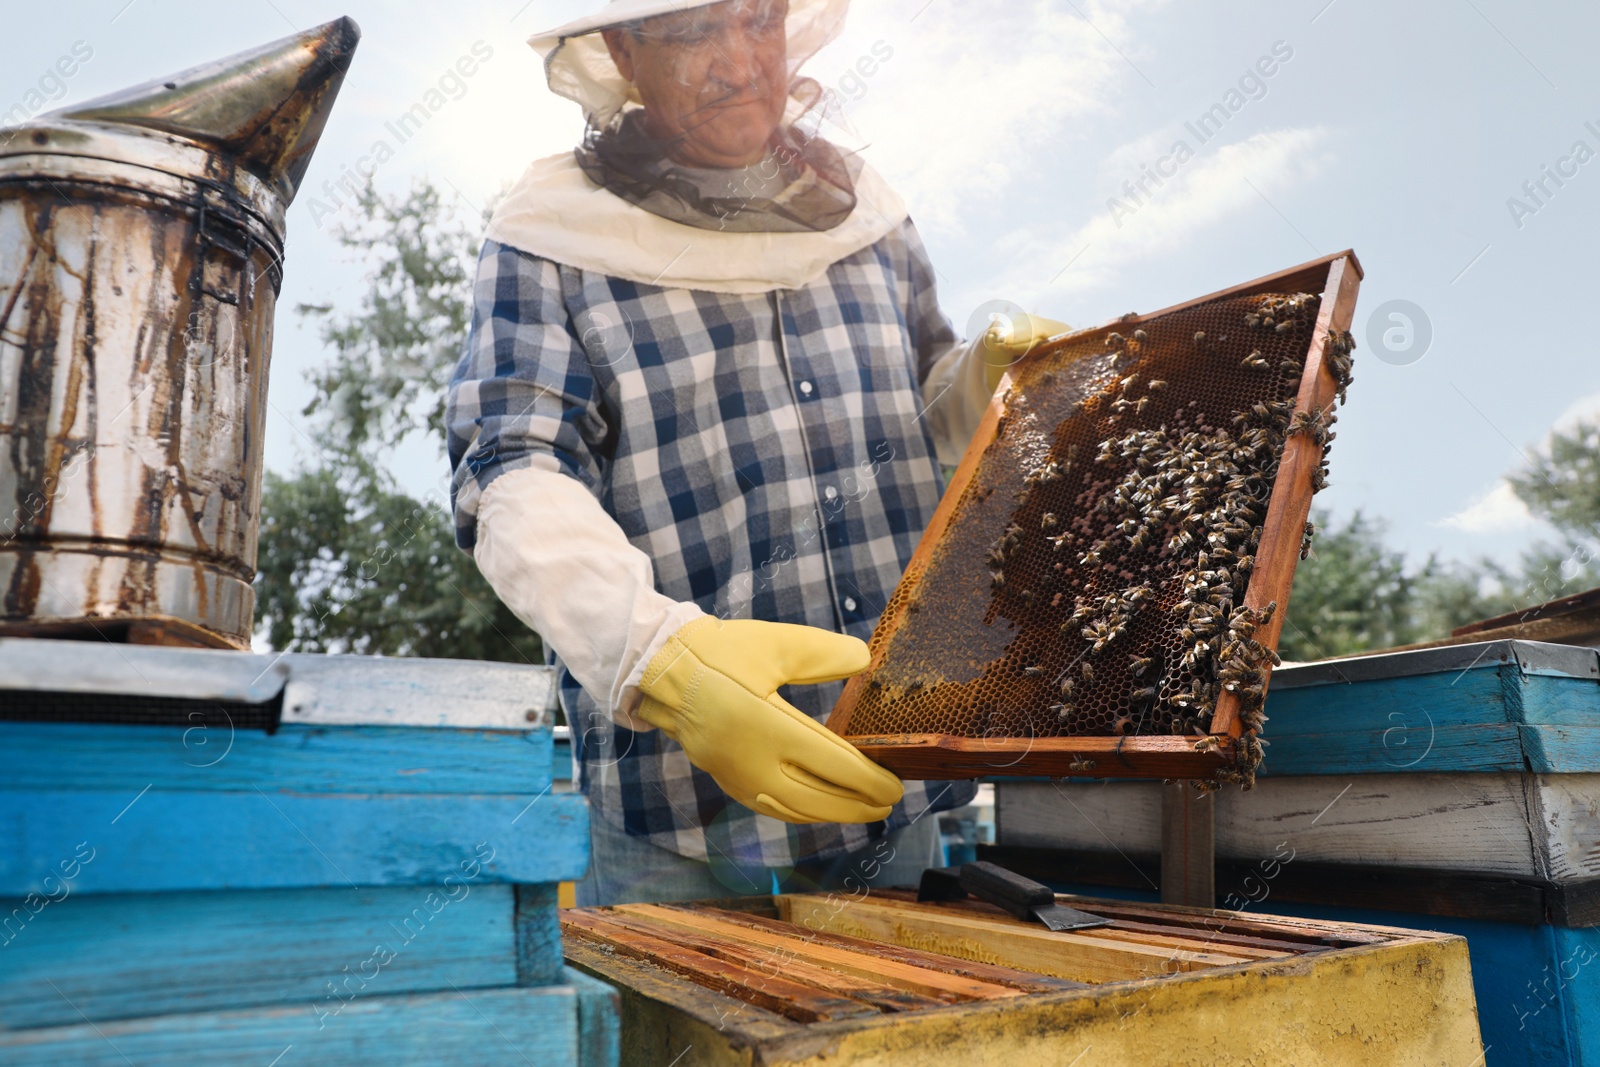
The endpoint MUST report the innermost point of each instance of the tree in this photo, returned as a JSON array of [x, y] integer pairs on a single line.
[[1355, 593], [348, 561], [1561, 485]]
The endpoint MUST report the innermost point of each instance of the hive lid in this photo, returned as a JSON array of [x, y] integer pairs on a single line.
[[263, 109]]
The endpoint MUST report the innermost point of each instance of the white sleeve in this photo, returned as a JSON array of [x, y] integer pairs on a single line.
[[564, 567], [955, 396]]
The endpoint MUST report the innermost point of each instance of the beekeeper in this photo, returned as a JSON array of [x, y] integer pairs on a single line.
[[696, 433]]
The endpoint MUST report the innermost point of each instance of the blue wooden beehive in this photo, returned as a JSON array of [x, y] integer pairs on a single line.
[[1453, 789], [214, 857]]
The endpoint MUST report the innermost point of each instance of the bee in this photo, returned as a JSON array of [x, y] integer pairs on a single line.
[[1284, 327], [1289, 366], [1127, 383], [1200, 337], [1207, 744], [1121, 404], [1033, 670], [1115, 340], [1143, 696], [1026, 595], [1048, 521], [1088, 673], [1081, 765], [997, 580], [1255, 360], [1139, 335], [1063, 712], [1067, 686], [1138, 409]]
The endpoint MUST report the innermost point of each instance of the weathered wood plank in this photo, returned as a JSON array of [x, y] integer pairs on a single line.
[[599, 1024], [1409, 745], [122, 955], [465, 1028], [160, 841], [1000, 940], [1188, 845], [1481, 822], [665, 1017], [856, 983], [538, 935], [761, 987], [1552, 701], [1027, 981], [927, 981], [1313, 933], [312, 759]]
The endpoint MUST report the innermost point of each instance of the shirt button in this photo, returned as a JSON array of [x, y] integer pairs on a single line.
[[830, 492], [849, 603], [805, 387]]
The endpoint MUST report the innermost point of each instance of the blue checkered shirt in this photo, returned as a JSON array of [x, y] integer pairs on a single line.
[[768, 453]]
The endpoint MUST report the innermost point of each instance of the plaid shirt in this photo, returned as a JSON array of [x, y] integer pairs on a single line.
[[768, 453]]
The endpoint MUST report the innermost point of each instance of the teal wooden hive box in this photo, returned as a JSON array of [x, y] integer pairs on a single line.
[[223, 858], [1453, 789]]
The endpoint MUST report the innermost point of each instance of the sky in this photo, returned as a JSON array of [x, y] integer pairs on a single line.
[[1453, 144]]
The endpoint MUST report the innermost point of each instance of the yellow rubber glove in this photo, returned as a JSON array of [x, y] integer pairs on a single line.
[[1009, 339], [713, 689]]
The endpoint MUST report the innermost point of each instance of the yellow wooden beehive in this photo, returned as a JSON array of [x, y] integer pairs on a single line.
[[885, 981]]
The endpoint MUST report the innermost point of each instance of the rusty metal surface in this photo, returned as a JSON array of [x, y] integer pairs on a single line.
[[139, 272]]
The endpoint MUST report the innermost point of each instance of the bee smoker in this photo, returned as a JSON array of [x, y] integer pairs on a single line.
[[141, 250]]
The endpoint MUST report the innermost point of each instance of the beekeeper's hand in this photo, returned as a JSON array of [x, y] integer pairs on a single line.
[[1009, 338], [713, 689]]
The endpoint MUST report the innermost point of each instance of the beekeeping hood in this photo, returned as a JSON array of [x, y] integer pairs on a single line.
[[618, 205]]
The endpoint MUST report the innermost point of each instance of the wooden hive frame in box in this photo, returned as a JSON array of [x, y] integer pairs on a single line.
[[990, 693], [820, 980]]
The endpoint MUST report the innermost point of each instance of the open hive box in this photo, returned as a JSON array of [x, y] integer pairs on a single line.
[[1102, 587], [882, 979]]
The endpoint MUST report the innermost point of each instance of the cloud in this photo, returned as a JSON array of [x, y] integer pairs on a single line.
[[1584, 409], [969, 102], [1498, 511], [1214, 185]]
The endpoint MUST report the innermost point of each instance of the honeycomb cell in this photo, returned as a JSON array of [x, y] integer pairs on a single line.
[[1092, 578]]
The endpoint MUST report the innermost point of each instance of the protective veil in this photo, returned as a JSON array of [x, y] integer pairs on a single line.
[[778, 223]]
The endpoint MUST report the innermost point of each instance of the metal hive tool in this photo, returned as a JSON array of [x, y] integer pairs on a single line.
[[1101, 589]]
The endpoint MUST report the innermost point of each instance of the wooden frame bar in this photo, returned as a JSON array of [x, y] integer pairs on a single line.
[[934, 755]]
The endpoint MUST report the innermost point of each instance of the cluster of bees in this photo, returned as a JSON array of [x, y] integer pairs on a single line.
[[1185, 512]]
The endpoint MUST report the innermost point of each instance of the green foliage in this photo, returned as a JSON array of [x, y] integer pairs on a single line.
[[1355, 593], [349, 562], [1562, 485]]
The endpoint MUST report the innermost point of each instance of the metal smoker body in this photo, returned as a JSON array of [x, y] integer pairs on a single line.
[[141, 243]]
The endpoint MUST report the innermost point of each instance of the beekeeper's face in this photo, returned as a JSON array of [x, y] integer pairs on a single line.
[[713, 80]]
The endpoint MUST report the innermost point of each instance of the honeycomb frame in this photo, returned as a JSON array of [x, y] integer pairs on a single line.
[[991, 657]]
